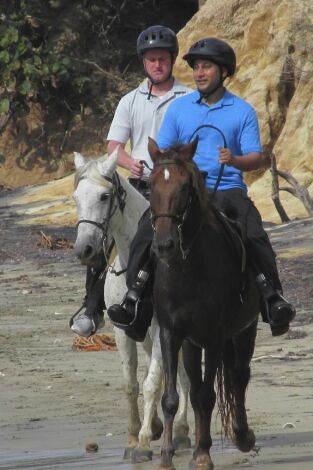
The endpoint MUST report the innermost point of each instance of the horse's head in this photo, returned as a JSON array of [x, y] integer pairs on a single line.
[[96, 201], [177, 189]]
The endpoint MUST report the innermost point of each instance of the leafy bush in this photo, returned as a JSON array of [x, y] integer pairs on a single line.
[[31, 71]]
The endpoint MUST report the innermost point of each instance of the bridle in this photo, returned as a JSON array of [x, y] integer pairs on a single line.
[[117, 198], [178, 218]]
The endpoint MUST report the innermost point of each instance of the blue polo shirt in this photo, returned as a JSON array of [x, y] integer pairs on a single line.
[[232, 116]]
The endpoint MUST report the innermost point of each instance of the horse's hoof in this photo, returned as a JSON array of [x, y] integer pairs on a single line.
[[181, 443], [244, 441], [193, 465], [141, 455], [157, 429], [128, 452], [169, 466]]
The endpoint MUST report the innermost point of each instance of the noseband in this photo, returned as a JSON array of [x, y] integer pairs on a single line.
[[116, 201]]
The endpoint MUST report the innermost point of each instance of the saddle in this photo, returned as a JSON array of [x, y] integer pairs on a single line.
[[141, 185]]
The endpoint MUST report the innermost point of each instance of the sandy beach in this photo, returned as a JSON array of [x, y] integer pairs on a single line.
[[54, 400]]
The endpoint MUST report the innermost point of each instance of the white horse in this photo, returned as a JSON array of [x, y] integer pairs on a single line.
[[109, 207]]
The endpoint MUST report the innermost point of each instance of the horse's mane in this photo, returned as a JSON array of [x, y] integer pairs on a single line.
[[198, 184], [90, 171]]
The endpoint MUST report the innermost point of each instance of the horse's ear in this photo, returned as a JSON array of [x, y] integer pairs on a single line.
[[187, 151], [108, 165], [154, 150], [79, 160]]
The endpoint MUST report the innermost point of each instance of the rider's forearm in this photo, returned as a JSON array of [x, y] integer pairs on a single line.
[[124, 159], [249, 162]]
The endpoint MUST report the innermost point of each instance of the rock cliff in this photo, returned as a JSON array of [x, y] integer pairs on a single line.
[[273, 40]]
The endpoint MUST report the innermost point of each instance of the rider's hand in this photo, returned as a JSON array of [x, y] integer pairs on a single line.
[[136, 168], [225, 156]]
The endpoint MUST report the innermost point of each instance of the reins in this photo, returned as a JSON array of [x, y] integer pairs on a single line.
[[221, 171], [118, 194], [180, 218]]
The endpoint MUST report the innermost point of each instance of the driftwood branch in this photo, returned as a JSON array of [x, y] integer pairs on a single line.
[[288, 190], [298, 191], [275, 191], [295, 189]]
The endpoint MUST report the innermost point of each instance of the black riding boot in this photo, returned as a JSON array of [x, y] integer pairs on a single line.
[[135, 312], [87, 323], [276, 310]]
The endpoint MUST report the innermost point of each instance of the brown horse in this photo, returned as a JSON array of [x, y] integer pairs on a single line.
[[200, 303]]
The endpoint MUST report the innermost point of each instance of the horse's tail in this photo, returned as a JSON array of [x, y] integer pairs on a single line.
[[225, 395]]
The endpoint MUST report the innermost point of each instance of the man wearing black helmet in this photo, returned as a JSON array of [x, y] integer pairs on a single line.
[[212, 112], [138, 115]]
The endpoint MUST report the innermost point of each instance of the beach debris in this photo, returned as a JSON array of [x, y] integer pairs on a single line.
[[92, 447], [53, 242], [97, 342], [288, 425]]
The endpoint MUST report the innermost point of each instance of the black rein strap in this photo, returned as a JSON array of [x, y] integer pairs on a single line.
[[220, 174]]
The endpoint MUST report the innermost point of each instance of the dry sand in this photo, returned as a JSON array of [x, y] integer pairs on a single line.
[[54, 400]]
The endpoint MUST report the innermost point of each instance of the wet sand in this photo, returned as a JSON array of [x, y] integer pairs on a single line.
[[54, 400]]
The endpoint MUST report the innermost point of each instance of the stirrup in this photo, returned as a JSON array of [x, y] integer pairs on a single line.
[[122, 311], [281, 312], [137, 326]]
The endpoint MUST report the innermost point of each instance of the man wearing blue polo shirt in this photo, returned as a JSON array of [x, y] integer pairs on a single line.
[[228, 132]]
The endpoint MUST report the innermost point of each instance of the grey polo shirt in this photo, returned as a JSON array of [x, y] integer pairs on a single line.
[[136, 118]]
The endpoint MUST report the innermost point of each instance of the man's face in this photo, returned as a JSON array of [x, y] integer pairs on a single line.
[[158, 64], [207, 74]]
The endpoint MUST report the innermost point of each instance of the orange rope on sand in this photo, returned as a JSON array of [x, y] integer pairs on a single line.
[[97, 342]]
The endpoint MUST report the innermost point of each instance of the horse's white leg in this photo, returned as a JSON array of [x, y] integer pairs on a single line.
[[128, 353], [152, 426], [114, 291], [181, 427]]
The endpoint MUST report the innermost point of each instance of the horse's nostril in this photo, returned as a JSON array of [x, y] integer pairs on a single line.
[[166, 245], [88, 251]]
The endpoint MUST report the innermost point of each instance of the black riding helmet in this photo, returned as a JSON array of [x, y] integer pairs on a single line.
[[157, 37], [214, 49]]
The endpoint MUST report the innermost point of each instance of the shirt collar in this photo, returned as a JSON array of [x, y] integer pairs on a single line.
[[226, 100], [177, 89]]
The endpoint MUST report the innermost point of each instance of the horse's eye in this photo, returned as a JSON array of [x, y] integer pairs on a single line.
[[104, 197], [185, 187]]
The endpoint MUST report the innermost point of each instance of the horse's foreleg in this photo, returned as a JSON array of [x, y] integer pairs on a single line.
[[152, 426], [181, 427], [170, 346], [202, 397], [243, 343], [128, 353]]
